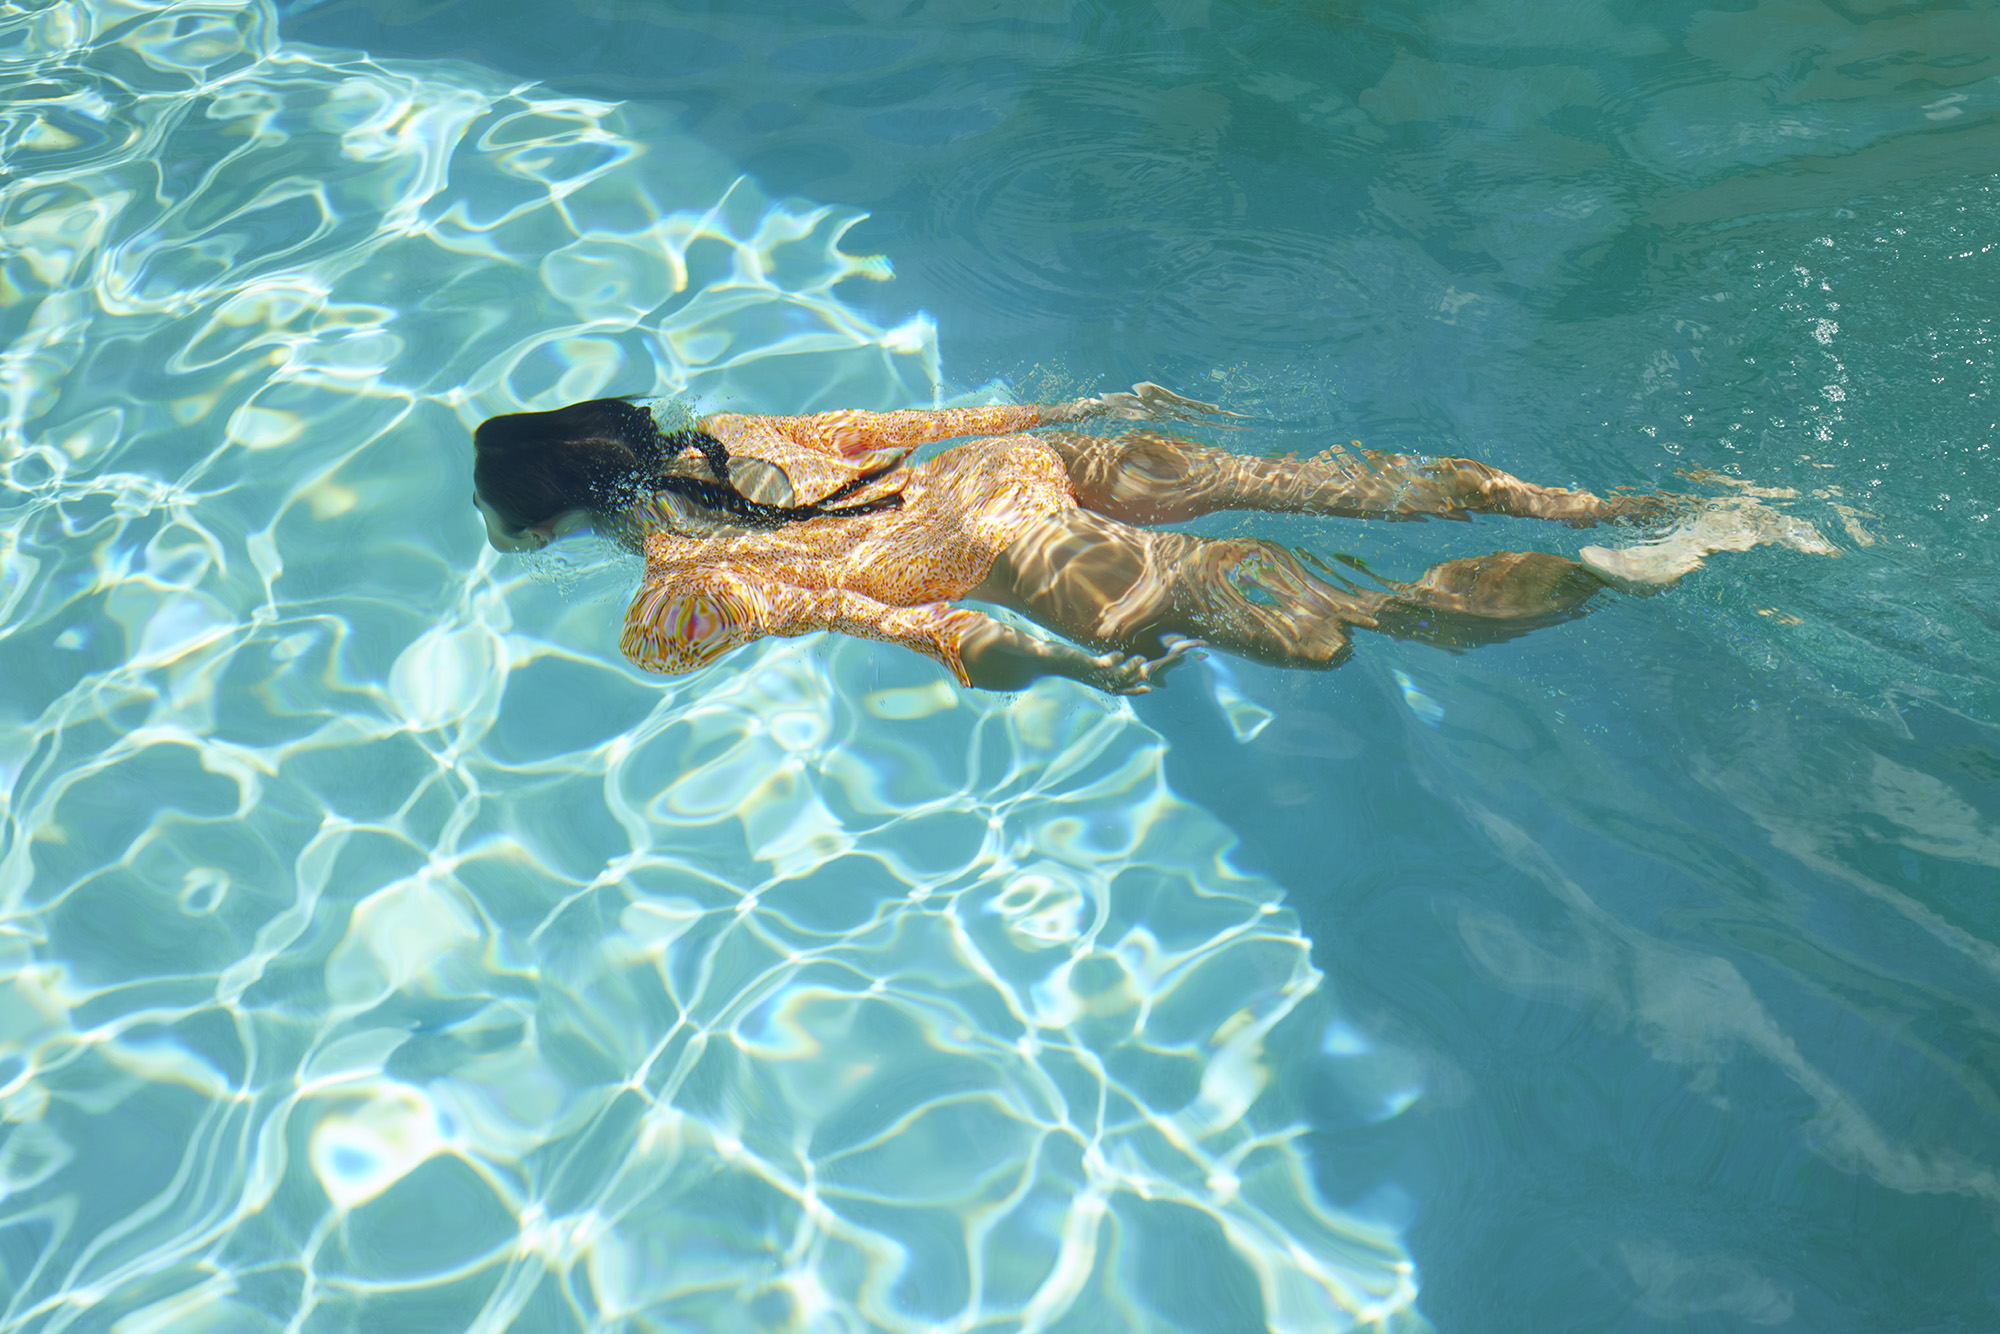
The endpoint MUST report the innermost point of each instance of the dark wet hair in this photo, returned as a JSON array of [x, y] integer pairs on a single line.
[[608, 454]]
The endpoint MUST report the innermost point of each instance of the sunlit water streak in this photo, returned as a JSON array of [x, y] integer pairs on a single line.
[[382, 953]]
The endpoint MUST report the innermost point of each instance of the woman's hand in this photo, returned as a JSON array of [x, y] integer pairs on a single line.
[[1135, 673], [1147, 402], [997, 656], [855, 442]]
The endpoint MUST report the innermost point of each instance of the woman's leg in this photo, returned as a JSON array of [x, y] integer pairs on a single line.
[[1109, 585], [1487, 599], [1144, 477]]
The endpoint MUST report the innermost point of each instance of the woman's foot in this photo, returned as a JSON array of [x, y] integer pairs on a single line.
[[1720, 525]]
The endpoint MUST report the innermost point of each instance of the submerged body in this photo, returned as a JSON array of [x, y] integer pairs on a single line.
[[1055, 525]]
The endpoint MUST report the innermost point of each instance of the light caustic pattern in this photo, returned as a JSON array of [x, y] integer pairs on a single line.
[[370, 963]]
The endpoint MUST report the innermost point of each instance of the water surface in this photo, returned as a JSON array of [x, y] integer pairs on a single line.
[[385, 955]]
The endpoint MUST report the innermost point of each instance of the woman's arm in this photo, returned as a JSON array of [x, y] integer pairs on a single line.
[[687, 616], [854, 433], [683, 619], [977, 649], [999, 657]]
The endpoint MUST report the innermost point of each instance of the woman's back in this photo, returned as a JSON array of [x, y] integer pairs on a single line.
[[959, 511]]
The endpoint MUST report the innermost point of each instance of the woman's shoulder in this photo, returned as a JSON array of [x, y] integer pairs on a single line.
[[779, 456]]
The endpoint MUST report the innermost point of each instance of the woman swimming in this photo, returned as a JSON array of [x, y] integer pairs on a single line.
[[1058, 526]]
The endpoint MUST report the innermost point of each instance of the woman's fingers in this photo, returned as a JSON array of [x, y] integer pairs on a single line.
[[1178, 648], [1152, 402], [1125, 674], [1135, 673], [855, 443], [1163, 400]]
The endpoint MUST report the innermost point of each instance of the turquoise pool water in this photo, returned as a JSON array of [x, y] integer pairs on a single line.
[[382, 954]]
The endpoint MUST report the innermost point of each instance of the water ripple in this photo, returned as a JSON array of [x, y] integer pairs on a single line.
[[372, 960]]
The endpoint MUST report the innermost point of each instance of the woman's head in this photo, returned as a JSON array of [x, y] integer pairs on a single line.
[[536, 475], [532, 471]]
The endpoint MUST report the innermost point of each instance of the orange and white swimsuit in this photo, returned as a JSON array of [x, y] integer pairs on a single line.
[[888, 575]]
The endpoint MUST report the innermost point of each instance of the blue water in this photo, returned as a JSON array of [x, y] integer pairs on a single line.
[[382, 954]]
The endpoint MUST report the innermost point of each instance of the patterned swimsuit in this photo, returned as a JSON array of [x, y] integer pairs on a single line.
[[888, 575]]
